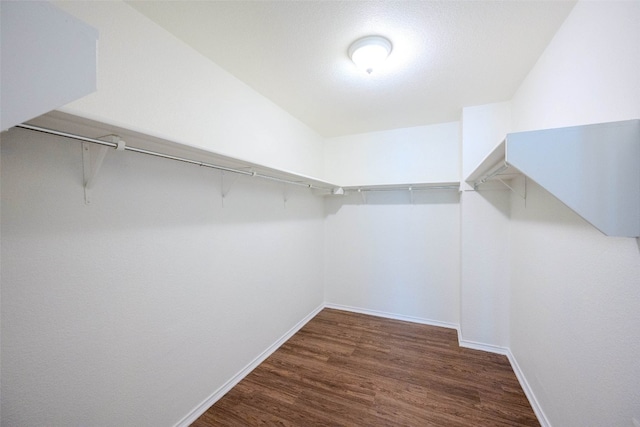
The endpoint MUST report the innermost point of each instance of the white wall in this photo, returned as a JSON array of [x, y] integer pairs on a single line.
[[152, 83], [483, 128], [484, 282], [399, 156], [588, 74], [385, 254], [133, 310], [575, 294]]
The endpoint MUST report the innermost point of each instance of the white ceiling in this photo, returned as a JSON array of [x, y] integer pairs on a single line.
[[446, 54]]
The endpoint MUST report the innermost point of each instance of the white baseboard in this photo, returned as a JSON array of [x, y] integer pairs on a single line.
[[392, 316], [537, 409], [482, 346], [202, 408]]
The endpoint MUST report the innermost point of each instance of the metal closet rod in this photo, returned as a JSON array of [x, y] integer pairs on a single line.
[[162, 155], [490, 175], [402, 188]]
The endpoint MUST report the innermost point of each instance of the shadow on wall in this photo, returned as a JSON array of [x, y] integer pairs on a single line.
[[543, 207], [395, 197], [133, 191], [498, 194]]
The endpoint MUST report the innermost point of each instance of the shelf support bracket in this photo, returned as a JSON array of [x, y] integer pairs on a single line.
[[92, 162], [495, 172], [285, 196], [224, 192], [364, 195], [522, 195]]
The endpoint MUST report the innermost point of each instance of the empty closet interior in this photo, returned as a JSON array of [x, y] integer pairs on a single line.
[[165, 227]]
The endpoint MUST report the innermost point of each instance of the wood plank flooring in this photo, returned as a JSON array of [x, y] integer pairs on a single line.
[[347, 369]]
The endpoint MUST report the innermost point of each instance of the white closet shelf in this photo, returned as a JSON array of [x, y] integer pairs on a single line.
[[493, 167], [416, 186], [138, 142], [49, 58], [89, 131], [593, 169]]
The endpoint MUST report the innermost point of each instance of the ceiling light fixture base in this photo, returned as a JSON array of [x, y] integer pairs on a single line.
[[368, 53]]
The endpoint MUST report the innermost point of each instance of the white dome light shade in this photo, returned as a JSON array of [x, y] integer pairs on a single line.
[[370, 52]]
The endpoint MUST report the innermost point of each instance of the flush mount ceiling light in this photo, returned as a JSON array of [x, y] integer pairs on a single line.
[[368, 53]]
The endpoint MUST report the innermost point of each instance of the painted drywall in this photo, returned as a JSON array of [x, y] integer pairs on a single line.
[[388, 254], [484, 282], [588, 74], [484, 273], [574, 314], [49, 59], [575, 293], [399, 156], [151, 82], [483, 128], [135, 309]]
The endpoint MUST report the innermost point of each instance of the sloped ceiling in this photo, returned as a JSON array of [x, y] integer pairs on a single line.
[[446, 54]]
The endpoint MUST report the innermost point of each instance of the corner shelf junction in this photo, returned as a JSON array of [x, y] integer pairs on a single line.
[[120, 139]]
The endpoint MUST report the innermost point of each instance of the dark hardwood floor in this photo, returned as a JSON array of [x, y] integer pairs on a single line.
[[347, 369]]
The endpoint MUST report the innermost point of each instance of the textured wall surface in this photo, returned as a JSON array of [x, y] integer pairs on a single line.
[[153, 83], [133, 310], [391, 255], [399, 156], [574, 292], [484, 276]]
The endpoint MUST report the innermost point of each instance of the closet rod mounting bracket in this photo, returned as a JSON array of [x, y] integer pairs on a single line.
[[92, 158]]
